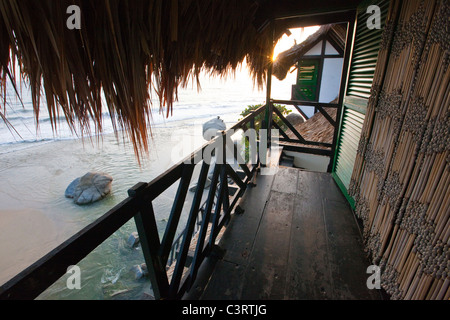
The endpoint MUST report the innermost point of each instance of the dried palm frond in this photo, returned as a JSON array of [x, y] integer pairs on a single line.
[[122, 51]]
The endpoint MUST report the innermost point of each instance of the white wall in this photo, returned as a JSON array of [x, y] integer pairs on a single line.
[[331, 79], [310, 162], [316, 50]]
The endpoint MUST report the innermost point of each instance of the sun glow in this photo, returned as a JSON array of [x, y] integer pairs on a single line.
[[297, 36]]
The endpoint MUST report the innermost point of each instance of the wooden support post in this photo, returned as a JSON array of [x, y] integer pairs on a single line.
[[149, 239], [268, 115]]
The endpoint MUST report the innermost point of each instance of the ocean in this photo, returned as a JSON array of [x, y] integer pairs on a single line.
[[38, 164]]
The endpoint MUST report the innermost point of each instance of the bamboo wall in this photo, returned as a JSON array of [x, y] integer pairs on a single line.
[[401, 178]]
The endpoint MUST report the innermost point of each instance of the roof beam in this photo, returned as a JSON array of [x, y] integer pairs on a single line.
[[303, 13]]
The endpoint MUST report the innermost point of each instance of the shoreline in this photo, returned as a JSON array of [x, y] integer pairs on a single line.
[[35, 217]]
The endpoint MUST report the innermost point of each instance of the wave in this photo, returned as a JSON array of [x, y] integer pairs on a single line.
[[215, 99]]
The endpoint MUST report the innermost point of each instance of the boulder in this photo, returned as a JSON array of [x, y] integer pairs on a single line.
[[89, 188], [212, 128], [70, 191], [295, 118], [133, 240], [139, 271]]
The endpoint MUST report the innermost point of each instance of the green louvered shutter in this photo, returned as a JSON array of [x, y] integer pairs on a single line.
[[352, 123], [365, 52], [307, 80], [362, 69]]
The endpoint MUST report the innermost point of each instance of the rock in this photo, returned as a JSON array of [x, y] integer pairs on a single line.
[[213, 128], [144, 268], [139, 271], [89, 188], [133, 240], [70, 191], [295, 118]]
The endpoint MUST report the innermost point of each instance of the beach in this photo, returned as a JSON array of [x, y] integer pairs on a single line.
[[35, 217]]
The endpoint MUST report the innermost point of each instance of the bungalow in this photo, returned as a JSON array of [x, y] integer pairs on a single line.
[[292, 235]]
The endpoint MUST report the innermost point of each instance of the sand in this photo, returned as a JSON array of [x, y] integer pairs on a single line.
[[18, 249]]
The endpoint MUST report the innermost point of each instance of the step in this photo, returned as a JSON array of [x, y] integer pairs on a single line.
[[286, 161]]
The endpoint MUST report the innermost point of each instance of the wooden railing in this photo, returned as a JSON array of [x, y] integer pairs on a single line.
[[172, 264], [298, 142]]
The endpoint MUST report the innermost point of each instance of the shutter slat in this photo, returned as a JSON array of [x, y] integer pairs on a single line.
[[365, 53], [349, 141]]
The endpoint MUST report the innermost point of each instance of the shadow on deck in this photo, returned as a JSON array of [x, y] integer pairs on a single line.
[[297, 239]]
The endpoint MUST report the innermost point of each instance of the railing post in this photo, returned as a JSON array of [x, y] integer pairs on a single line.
[[150, 243], [252, 120]]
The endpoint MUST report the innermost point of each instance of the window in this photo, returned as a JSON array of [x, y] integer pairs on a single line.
[[307, 80]]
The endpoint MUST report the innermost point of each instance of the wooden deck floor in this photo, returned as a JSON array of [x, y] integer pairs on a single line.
[[297, 239]]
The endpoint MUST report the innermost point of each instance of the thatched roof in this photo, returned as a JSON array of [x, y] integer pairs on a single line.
[[124, 48], [288, 58], [317, 128]]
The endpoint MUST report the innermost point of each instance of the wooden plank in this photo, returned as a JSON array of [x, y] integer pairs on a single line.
[[329, 188], [285, 180], [248, 118], [265, 274], [347, 268], [240, 235], [308, 271], [293, 245], [326, 115], [276, 126], [226, 282], [307, 142], [233, 175], [164, 181], [223, 184]]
